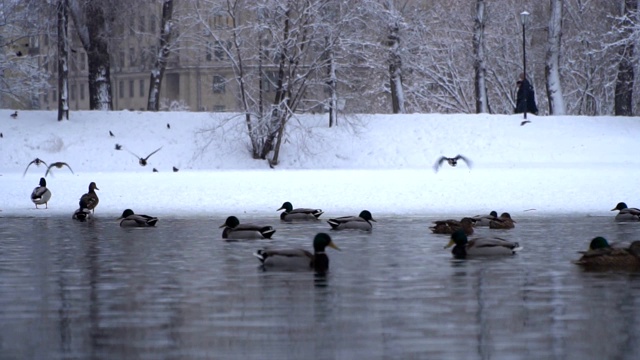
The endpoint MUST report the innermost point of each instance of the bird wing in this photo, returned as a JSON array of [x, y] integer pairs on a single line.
[[436, 166], [148, 156], [25, 170], [466, 161], [130, 152]]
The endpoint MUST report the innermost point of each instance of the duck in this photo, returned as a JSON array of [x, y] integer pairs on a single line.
[[626, 213], [82, 214], [234, 230], [36, 161], [59, 165], [485, 220], [41, 194], [143, 161], [503, 222], [15, 114], [299, 259], [465, 248], [452, 161], [129, 219], [360, 222], [300, 214], [450, 226], [602, 255], [90, 199]]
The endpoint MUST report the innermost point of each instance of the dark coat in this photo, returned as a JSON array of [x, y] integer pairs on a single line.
[[525, 91]]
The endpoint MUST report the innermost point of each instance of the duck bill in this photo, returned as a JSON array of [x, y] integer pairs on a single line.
[[281, 208], [332, 245], [221, 226], [450, 244], [373, 220], [614, 209]]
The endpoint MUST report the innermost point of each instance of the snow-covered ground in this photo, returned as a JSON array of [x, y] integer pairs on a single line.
[[383, 163]]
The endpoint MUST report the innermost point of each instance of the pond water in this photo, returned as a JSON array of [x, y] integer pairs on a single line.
[[73, 290]]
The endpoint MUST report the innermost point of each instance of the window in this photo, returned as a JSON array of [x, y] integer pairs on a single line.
[[131, 91], [218, 50], [207, 50], [81, 91], [121, 89], [218, 84], [72, 89], [132, 56], [269, 81], [141, 87]]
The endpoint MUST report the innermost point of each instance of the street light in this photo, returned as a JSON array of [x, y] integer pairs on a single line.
[[524, 18]]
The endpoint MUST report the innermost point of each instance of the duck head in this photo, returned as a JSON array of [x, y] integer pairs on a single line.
[[43, 182], [286, 206], [365, 214], [458, 238], [620, 206], [231, 222], [126, 213], [598, 243], [321, 241]]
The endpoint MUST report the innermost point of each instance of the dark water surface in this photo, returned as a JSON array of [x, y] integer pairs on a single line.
[[96, 291]]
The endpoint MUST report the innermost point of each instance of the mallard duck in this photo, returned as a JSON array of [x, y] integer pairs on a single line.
[[360, 222], [601, 255], [41, 194], [90, 200], [480, 247], [451, 161], [451, 226], [503, 222], [129, 219], [59, 165], [15, 114], [484, 220], [82, 214], [143, 161], [292, 259], [234, 230], [301, 214], [626, 213], [36, 161]]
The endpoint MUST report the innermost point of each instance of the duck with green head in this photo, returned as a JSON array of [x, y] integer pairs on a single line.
[[602, 255], [360, 222], [299, 214], [41, 194], [236, 231], [299, 259], [626, 213], [450, 226], [130, 219], [465, 248]]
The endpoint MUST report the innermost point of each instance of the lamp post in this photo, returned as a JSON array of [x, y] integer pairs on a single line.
[[524, 18]]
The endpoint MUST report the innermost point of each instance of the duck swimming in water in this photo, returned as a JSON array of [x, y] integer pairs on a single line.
[[299, 214], [129, 219], [234, 230], [465, 248], [360, 222], [626, 213], [299, 259]]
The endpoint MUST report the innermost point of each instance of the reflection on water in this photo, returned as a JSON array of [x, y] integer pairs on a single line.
[[71, 290]]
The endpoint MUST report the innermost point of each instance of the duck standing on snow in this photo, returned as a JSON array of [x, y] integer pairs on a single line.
[[234, 230], [626, 213], [41, 194], [129, 219], [360, 222], [90, 199], [503, 222], [480, 247], [601, 255], [300, 214], [299, 259]]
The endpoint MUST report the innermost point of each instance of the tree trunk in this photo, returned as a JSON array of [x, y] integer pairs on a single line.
[[624, 83], [552, 65], [160, 64], [395, 69], [331, 84], [63, 59], [479, 63]]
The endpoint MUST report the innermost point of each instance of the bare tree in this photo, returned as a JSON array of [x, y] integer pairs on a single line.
[[479, 63], [63, 59], [160, 63], [552, 66], [92, 23], [395, 58], [625, 79]]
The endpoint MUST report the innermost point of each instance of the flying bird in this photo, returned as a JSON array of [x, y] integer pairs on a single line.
[[59, 165], [175, 169], [143, 161], [168, 126], [523, 123], [155, 170], [14, 115], [118, 147], [111, 134], [452, 161], [34, 161], [1, 136]]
